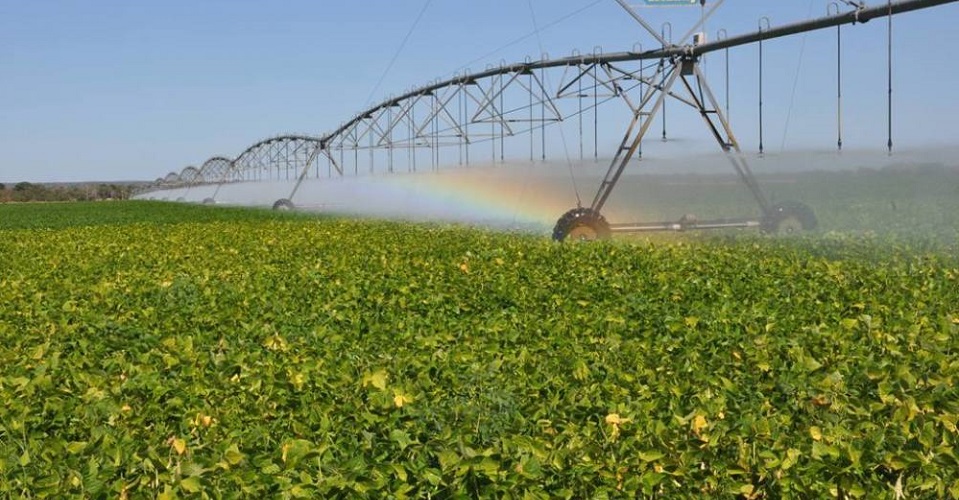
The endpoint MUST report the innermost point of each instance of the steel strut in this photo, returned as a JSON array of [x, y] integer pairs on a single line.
[[729, 144], [630, 144], [708, 108], [306, 167]]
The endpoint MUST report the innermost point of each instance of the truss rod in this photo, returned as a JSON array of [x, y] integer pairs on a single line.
[[635, 15], [702, 21], [856, 16]]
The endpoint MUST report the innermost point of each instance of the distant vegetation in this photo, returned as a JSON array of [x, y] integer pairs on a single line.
[[28, 191]]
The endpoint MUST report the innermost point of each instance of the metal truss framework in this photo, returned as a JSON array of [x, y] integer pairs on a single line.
[[482, 115]]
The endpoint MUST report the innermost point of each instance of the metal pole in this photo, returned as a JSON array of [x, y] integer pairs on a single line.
[[889, 100], [531, 127], [639, 150], [595, 114], [502, 124], [306, 169], [542, 113], [412, 135], [492, 127], [669, 25], [761, 20], [389, 138], [722, 35], [579, 99], [829, 11], [628, 148], [739, 159], [466, 124]]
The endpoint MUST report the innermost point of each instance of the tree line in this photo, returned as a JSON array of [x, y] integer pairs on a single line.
[[28, 191]]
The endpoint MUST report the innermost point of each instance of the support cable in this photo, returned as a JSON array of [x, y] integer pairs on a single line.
[[792, 96], [529, 35], [396, 55]]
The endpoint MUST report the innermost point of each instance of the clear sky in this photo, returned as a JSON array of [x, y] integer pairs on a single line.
[[119, 89]]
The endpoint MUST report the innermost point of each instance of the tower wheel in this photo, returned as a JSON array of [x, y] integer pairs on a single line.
[[581, 224], [283, 204], [790, 217]]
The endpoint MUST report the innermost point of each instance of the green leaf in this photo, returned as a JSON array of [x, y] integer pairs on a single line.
[[191, 484], [448, 459], [292, 452], [488, 467], [233, 455], [167, 494], [76, 447], [400, 472], [401, 438], [651, 456], [821, 450], [792, 456]]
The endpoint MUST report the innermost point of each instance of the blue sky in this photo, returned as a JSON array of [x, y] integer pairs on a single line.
[[113, 90]]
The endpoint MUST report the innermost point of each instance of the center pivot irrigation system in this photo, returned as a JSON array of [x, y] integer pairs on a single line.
[[681, 62], [449, 121]]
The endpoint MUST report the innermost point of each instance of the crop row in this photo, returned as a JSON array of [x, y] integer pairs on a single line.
[[305, 357]]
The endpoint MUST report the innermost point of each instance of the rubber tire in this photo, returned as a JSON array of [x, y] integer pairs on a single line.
[[582, 219], [786, 216], [209, 201], [283, 204]]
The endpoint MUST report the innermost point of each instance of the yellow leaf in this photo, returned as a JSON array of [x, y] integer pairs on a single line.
[[815, 432], [465, 267], [376, 379], [699, 423], [615, 420], [202, 420], [401, 399], [178, 445], [275, 343]]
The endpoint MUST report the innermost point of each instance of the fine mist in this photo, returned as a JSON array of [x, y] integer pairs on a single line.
[[909, 191]]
